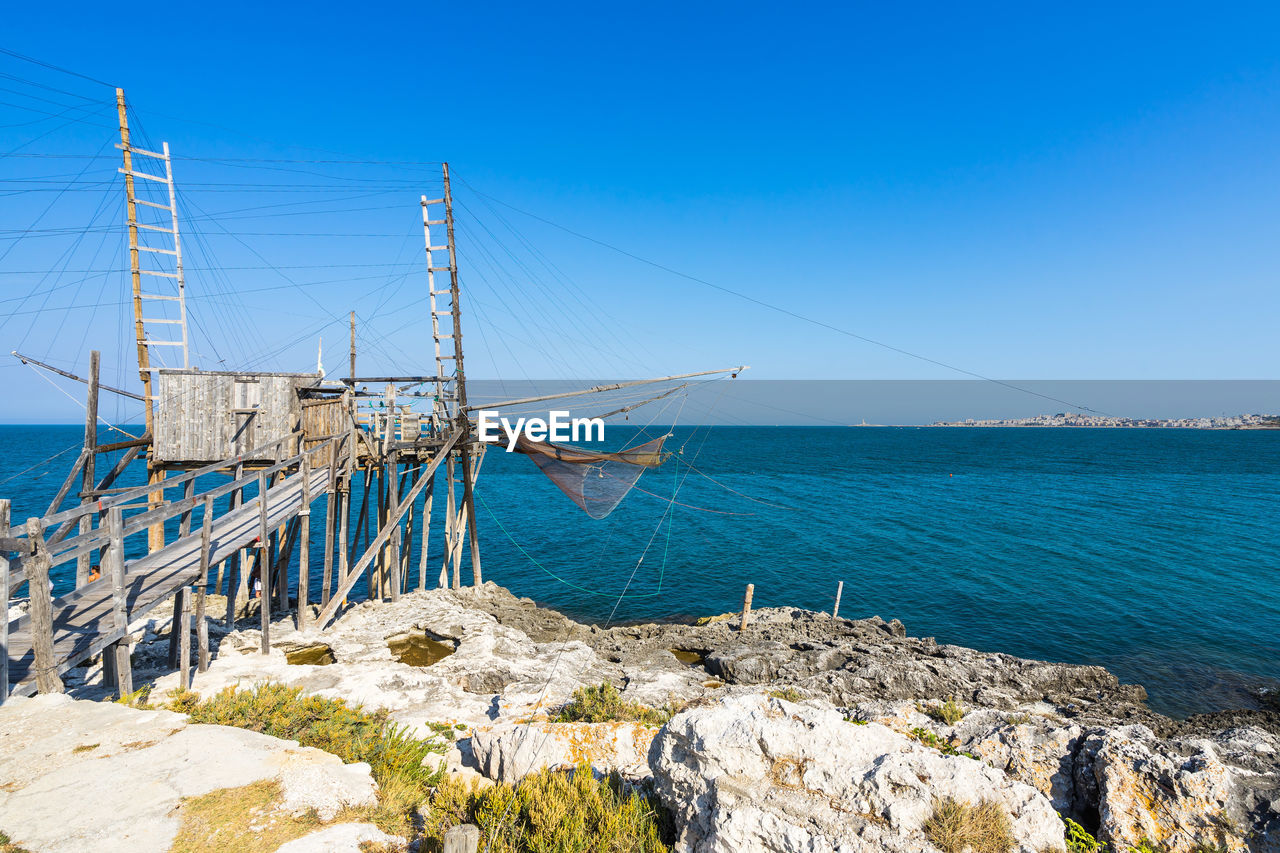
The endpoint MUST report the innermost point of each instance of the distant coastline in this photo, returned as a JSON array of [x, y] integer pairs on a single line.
[[1069, 419]]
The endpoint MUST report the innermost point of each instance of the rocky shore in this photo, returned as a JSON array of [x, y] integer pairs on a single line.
[[800, 733]]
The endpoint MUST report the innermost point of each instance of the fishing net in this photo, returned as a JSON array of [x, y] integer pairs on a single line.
[[596, 481]]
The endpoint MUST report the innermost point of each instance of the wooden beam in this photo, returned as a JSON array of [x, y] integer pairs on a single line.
[[327, 614], [25, 359], [469, 507]]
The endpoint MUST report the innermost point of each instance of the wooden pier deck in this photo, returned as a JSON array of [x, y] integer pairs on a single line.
[[83, 622]]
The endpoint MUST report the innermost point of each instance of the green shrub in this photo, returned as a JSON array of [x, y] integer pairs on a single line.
[[1078, 839], [946, 747], [7, 846], [956, 827], [551, 812], [603, 704], [349, 732]]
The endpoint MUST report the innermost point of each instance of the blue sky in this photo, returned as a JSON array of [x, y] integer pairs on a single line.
[[1078, 193]]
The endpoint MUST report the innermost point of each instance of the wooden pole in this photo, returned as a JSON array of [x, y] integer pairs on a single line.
[[116, 665], [426, 527], [4, 597], [469, 507], [835, 611], [451, 525], [746, 606], [264, 565], [237, 571], [84, 561], [181, 599], [393, 503], [37, 571], [183, 628], [304, 547], [202, 624], [330, 517], [353, 349]]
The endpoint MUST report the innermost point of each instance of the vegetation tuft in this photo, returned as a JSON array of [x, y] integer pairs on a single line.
[[790, 694], [551, 811], [1078, 839], [7, 846], [603, 704], [346, 731], [956, 827], [946, 747], [948, 712]]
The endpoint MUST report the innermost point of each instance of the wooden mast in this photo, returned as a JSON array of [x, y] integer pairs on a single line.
[[460, 412]]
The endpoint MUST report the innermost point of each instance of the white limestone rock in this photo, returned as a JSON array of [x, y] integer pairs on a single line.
[[339, 838], [99, 776], [752, 772], [508, 752]]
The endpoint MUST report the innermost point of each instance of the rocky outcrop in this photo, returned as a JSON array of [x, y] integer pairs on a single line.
[[753, 772], [509, 751], [99, 776], [1084, 741]]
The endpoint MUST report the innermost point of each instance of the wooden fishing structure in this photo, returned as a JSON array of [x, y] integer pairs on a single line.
[[233, 464]]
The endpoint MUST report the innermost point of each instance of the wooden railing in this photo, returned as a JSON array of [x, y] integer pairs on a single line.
[[28, 555]]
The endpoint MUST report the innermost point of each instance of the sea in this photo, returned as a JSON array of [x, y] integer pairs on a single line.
[[1152, 552]]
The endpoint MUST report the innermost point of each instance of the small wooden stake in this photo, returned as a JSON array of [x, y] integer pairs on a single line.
[[835, 611], [746, 606], [183, 627], [37, 569]]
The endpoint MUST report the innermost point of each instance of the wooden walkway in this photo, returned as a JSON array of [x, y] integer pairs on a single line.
[[83, 623]]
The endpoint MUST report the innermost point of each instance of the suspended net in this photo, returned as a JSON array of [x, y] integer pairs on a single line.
[[596, 481]]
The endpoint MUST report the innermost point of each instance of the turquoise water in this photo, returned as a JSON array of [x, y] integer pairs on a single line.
[[1150, 552]]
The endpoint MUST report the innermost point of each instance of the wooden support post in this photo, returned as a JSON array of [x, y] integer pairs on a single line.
[[202, 624], [116, 665], [376, 582], [330, 517], [353, 352], [746, 606], [84, 561], [37, 570], [181, 599], [238, 573], [184, 637], [392, 576], [264, 565], [469, 507], [4, 598], [409, 530], [304, 547], [426, 528], [835, 611], [451, 525]]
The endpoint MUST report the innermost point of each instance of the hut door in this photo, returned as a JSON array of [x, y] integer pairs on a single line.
[[246, 400]]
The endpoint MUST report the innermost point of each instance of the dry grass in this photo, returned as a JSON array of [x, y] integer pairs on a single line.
[[949, 712], [242, 819], [603, 704], [790, 694], [551, 812], [85, 747], [958, 827]]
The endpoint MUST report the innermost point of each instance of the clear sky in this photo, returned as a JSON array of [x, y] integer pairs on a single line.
[[1079, 192]]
